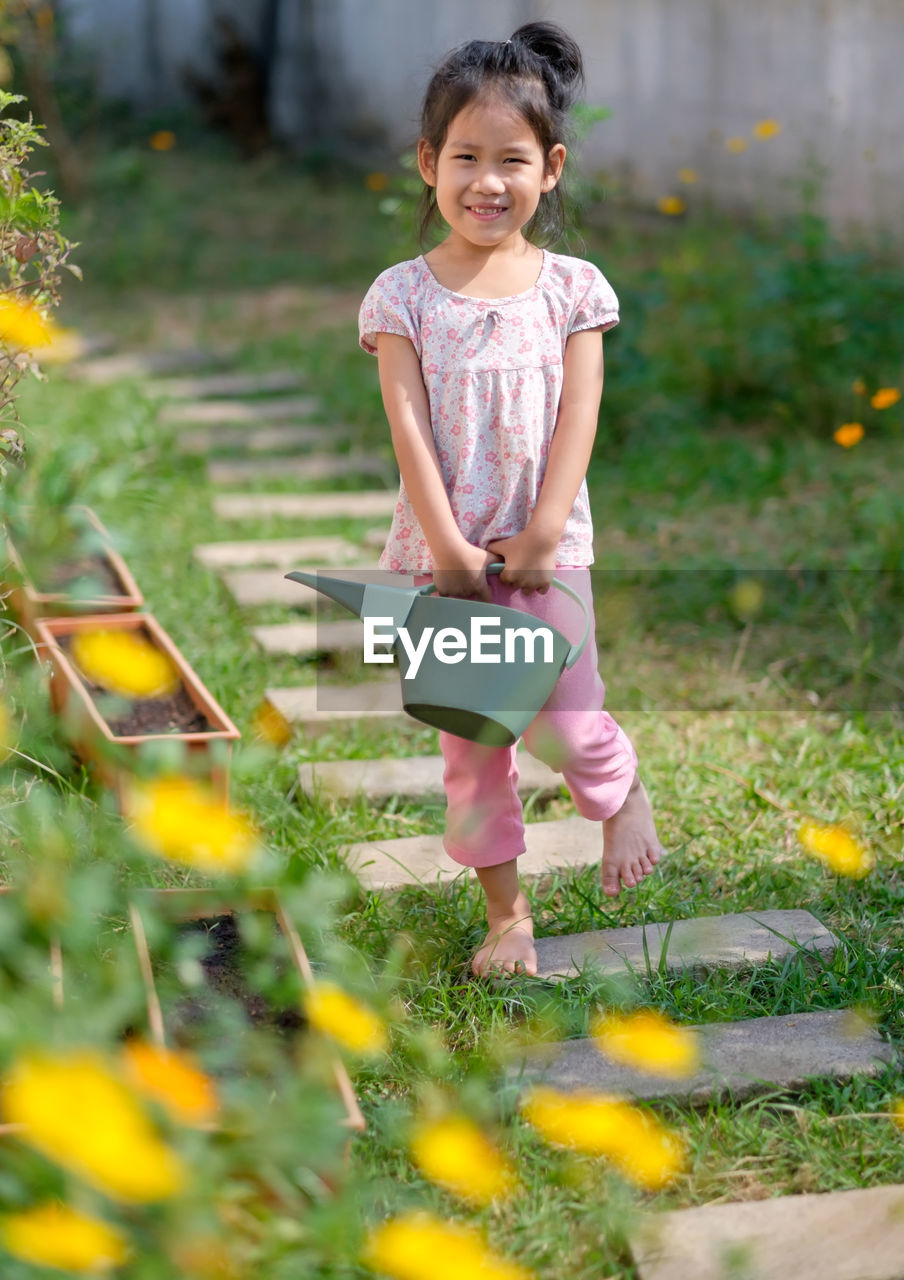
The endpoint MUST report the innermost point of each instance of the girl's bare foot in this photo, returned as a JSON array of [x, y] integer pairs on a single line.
[[631, 847], [509, 944]]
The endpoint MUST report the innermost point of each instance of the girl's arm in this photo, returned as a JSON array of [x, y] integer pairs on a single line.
[[530, 556], [460, 567]]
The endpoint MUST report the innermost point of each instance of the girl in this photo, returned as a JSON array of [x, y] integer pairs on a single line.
[[491, 370]]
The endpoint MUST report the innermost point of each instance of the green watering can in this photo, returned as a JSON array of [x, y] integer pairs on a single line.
[[480, 671]]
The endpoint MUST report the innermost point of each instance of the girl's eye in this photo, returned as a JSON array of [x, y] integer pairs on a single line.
[[464, 157]]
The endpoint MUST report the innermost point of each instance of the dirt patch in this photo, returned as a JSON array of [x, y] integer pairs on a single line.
[[94, 571]]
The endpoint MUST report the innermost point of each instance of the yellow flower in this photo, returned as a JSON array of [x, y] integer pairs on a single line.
[[53, 1235], [80, 1115], [182, 820], [23, 326], [647, 1040], [897, 1110], [735, 145], [836, 847], [848, 434], [376, 182], [270, 725], [453, 1153], [688, 176], [125, 663], [419, 1246], [766, 129], [344, 1019], [173, 1080], [162, 140], [671, 205], [885, 397], [859, 387], [634, 1141], [747, 598]]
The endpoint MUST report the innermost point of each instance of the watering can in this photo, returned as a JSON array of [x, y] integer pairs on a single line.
[[480, 671]]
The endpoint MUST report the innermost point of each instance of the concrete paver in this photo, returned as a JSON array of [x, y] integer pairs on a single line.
[[277, 553], [253, 587], [319, 708], [305, 639], [254, 438], [358, 504], [417, 777], [277, 409], [312, 466], [228, 384]]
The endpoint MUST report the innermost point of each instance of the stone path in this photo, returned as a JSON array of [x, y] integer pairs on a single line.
[[319, 708], [412, 778], [311, 466], [215, 411], [305, 639], [228, 384], [278, 553], [743, 1058], [253, 587], [842, 1235], [256, 439], [355, 505], [704, 942], [143, 364]]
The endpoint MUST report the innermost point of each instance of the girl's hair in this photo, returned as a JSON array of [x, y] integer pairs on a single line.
[[539, 73]]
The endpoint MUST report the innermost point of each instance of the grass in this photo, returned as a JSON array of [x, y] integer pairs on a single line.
[[745, 718]]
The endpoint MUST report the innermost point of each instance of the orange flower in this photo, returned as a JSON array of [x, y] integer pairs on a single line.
[[162, 140], [270, 725], [858, 386], [688, 176], [671, 205], [885, 397], [125, 663], [766, 129], [348, 1021], [647, 1040], [376, 182], [180, 819], [173, 1080], [453, 1153], [735, 145], [848, 434], [22, 326], [836, 847], [419, 1246], [53, 1235]]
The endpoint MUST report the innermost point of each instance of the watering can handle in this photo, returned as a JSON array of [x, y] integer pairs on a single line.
[[576, 649]]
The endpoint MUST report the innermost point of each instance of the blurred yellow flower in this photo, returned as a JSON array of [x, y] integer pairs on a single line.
[[885, 397], [172, 1079], [634, 1141], [270, 725], [453, 1153], [376, 182], [859, 387], [671, 205], [766, 129], [735, 145], [182, 820], [836, 847], [80, 1115], [344, 1019], [687, 175], [162, 140], [747, 598], [23, 326], [53, 1235], [648, 1040], [419, 1246], [124, 663], [848, 434], [897, 1110]]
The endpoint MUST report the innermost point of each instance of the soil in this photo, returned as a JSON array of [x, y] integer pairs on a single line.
[[96, 569], [175, 713]]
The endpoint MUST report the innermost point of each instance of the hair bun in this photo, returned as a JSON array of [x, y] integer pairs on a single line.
[[559, 54]]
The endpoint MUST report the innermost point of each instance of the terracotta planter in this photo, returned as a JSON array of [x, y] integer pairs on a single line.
[[92, 737], [198, 904], [30, 603]]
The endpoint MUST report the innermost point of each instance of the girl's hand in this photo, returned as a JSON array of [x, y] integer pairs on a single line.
[[530, 563], [464, 573]]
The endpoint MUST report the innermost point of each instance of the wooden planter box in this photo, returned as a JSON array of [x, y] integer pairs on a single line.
[[92, 737], [29, 603], [198, 904]]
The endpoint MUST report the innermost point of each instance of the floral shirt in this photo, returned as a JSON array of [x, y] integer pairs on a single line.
[[493, 370]]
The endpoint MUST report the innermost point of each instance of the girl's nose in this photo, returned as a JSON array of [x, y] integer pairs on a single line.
[[488, 182]]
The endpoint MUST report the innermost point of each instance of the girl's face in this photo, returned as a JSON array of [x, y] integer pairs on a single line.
[[489, 174]]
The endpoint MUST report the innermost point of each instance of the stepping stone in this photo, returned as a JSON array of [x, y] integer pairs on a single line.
[[228, 384], [280, 553], [240, 410], [376, 538], [319, 708], [745, 1057], [256, 439], [419, 777], [253, 587], [842, 1235], [392, 864], [313, 466], [703, 942], [304, 639], [143, 364], [360, 504]]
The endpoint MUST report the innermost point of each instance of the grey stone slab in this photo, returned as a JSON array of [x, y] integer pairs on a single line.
[[376, 537], [143, 364], [392, 864], [253, 587], [276, 553], [841, 1235], [703, 942], [305, 639], [228, 384], [319, 708], [312, 466], [418, 777], [357, 504], [255, 438], [744, 1058], [277, 409]]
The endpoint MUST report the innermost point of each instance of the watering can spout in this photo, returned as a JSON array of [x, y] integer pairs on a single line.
[[344, 592]]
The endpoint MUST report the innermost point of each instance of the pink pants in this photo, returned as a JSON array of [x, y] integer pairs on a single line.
[[571, 733]]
